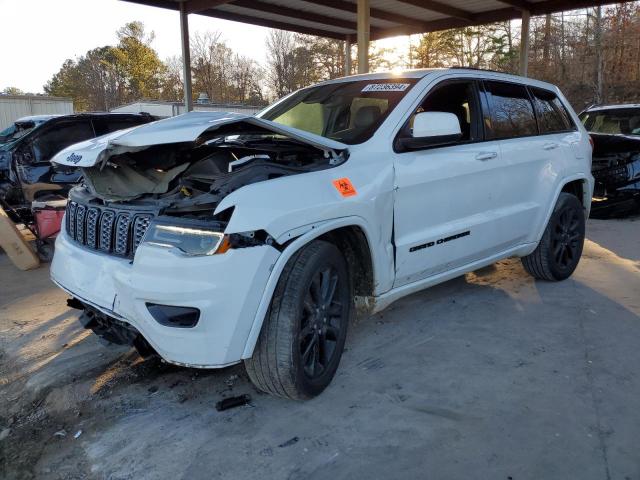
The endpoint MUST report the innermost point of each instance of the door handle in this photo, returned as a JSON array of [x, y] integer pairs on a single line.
[[550, 146], [483, 156]]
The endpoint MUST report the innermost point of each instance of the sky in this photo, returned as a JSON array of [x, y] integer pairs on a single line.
[[37, 36]]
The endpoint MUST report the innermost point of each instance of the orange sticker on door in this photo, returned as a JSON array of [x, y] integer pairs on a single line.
[[345, 187]]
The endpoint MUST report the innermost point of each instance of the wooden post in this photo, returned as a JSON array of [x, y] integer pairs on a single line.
[[347, 56], [14, 244], [186, 56], [524, 43], [363, 36]]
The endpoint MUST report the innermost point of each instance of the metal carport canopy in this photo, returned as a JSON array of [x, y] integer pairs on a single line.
[[364, 20]]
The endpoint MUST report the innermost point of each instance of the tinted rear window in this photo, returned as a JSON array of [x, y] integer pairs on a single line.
[[511, 111], [552, 115]]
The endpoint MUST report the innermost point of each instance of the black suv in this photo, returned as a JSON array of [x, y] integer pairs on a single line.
[[26, 173]]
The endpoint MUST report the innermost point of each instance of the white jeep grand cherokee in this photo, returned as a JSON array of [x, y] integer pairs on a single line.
[[212, 238]]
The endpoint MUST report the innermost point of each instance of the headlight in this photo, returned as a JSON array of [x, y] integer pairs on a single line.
[[193, 241]]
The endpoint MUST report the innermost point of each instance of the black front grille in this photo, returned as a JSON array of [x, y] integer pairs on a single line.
[[111, 231]]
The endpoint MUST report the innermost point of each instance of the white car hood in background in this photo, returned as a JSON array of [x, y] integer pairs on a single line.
[[183, 128]]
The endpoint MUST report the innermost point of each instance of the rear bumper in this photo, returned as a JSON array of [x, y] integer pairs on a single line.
[[226, 288]]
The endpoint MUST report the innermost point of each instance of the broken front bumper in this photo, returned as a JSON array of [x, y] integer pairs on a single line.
[[225, 288]]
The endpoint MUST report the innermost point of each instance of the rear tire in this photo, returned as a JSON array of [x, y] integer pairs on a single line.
[[303, 334], [560, 248]]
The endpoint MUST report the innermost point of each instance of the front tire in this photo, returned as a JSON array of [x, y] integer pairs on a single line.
[[560, 248], [303, 335]]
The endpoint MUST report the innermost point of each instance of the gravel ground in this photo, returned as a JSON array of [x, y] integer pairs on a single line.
[[488, 376]]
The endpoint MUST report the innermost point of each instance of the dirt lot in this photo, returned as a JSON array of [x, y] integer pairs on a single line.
[[489, 376]]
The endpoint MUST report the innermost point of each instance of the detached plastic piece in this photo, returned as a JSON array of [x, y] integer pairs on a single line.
[[233, 402]]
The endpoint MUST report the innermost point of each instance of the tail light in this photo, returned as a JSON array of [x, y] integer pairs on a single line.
[[591, 142]]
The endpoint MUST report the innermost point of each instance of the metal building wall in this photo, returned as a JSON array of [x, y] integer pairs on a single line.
[[13, 107], [170, 109]]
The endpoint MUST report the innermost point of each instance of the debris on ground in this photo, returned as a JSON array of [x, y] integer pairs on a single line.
[[231, 380], [232, 402], [289, 442], [78, 433]]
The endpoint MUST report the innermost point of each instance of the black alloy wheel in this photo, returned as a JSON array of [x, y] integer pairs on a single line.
[[303, 334], [566, 240], [321, 323], [560, 248]]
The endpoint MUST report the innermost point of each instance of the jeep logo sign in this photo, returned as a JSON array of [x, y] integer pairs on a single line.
[[74, 158]]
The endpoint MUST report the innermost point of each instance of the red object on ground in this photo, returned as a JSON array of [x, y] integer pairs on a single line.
[[48, 221]]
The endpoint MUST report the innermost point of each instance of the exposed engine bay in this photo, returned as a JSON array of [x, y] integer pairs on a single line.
[[173, 174], [196, 176], [616, 169]]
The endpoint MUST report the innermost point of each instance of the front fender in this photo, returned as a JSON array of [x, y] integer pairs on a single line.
[[313, 231], [285, 203], [291, 206]]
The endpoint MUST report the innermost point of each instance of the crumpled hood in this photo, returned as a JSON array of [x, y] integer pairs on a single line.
[[183, 128]]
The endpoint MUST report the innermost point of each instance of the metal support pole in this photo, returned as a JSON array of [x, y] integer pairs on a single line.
[[347, 56], [363, 36], [186, 56], [524, 43]]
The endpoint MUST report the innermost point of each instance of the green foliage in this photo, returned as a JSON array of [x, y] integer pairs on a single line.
[[110, 76], [484, 46], [12, 91], [137, 63]]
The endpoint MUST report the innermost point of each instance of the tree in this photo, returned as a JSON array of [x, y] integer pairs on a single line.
[[12, 91], [136, 63], [433, 50], [327, 56], [288, 63], [172, 85], [224, 76], [109, 76]]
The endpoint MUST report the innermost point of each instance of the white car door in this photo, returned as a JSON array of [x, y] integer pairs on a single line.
[[449, 206], [533, 162]]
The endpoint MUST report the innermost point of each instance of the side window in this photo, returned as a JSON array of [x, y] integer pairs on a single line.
[[511, 111], [459, 98], [552, 115], [59, 136]]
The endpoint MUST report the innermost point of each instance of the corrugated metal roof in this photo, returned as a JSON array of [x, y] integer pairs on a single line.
[[337, 18]]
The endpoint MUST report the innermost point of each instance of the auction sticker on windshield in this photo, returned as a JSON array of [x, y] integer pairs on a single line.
[[385, 87]]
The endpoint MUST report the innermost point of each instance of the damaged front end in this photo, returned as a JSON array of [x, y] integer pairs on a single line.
[[166, 188], [616, 170]]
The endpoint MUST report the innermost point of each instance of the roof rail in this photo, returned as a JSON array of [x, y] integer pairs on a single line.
[[481, 70]]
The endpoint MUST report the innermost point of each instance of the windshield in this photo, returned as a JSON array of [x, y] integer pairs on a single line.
[[15, 131], [349, 112], [623, 121]]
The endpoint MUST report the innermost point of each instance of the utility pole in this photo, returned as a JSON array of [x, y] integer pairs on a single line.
[[599, 61]]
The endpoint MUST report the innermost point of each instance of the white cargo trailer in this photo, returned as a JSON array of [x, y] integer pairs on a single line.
[[13, 107]]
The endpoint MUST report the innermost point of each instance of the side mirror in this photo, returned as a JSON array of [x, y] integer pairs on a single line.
[[432, 129]]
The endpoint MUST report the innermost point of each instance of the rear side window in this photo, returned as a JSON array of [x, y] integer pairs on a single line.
[[552, 115], [511, 111]]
